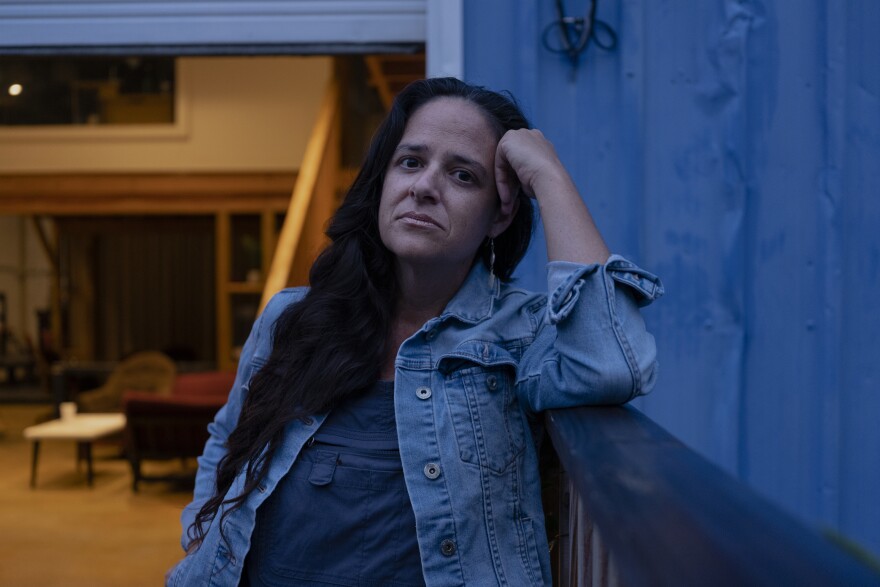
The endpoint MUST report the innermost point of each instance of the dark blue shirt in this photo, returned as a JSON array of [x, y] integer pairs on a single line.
[[342, 515]]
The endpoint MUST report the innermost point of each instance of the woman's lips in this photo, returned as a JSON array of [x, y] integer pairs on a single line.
[[420, 219]]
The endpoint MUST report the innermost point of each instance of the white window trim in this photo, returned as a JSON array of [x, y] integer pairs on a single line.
[[444, 43], [151, 23]]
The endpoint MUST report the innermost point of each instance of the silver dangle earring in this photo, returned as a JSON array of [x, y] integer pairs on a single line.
[[491, 262]]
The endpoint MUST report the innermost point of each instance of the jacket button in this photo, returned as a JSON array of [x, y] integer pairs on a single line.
[[423, 392], [431, 334], [492, 382], [432, 470], [447, 547]]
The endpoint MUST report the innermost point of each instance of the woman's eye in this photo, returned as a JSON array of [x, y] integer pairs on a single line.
[[464, 176], [409, 162]]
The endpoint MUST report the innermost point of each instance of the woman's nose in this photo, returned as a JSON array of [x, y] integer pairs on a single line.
[[426, 185]]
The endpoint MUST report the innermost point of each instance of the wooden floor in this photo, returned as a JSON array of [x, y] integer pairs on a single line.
[[65, 533]]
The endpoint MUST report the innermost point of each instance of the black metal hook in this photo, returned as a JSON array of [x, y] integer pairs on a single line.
[[576, 33]]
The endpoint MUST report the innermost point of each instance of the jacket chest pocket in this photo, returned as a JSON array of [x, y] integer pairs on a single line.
[[484, 411]]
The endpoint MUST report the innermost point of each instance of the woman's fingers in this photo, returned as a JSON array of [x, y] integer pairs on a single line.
[[523, 158]]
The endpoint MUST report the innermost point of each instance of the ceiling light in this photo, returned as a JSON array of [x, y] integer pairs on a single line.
[[15, 89]]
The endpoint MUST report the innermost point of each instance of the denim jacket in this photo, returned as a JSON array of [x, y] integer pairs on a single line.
[[464, 386]]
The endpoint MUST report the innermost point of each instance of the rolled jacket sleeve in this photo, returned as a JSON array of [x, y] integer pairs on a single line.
[[592, 346]]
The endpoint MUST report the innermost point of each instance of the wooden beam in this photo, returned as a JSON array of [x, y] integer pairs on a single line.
[[102, 194], [377, 78], [391, 73]]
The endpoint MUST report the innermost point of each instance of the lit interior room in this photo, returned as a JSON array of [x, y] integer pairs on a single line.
[[149, 205]]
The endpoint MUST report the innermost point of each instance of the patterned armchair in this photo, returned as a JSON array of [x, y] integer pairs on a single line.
[[148, 371]]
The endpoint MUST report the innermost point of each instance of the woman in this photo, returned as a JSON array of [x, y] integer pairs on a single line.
[[377, 432]]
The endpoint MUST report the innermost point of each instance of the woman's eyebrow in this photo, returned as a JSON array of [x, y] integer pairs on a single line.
[[411, 148]]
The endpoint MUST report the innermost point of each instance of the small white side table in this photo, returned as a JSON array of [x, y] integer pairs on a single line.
[[83, 428]]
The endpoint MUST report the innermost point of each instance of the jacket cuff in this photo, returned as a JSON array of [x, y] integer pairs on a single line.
[[565, 280], [645, 284]]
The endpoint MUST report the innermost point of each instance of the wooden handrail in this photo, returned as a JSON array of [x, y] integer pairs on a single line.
[[667, 516], [303, 192]]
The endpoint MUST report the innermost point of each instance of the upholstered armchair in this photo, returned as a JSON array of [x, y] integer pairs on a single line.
[[148, 371]]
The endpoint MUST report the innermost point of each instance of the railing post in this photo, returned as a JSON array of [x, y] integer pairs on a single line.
[[583, 559]]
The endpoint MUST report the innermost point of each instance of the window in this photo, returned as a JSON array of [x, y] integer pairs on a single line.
[[51, 91]]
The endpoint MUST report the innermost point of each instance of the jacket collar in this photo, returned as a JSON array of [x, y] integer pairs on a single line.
[[475, 299]]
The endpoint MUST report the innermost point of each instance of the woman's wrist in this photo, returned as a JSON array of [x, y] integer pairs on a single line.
[[555, 190], [569, 229]]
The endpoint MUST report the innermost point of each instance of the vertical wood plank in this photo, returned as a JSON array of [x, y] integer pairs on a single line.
[[858, 274], [268, 241], [223, 257]]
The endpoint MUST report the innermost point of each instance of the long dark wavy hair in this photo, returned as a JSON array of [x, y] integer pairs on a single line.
[[331, 345]]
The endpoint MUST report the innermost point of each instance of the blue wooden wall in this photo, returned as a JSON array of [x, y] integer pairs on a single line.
[[733, 147]]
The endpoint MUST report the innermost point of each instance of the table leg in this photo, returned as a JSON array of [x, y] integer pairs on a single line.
[[36, 454], [86, 448]]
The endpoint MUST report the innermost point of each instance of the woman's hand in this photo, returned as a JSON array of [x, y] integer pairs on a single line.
[[524, 157]]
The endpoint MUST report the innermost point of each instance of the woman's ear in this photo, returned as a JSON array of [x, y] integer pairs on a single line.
[[503, 217]]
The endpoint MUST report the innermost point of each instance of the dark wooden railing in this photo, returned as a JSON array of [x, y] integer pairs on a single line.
[[640, 508]]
